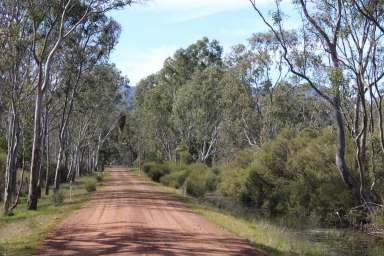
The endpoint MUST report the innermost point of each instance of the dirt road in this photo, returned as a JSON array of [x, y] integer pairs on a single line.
[[130, 216]]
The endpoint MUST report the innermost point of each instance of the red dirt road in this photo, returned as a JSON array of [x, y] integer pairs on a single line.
[[130, 216]]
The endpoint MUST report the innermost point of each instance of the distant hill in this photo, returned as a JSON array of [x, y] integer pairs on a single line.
[[128, 94]]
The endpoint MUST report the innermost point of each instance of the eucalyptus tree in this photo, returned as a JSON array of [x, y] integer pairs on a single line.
[[332, 47], [157, 95], [96, 113], [373, 11], [254, 72], [142, 88], [361, 45], [241, 109], [15, 76], [198, 112], [241, 124], [89, 44], [256, 93], [156, 113], [52, 23]]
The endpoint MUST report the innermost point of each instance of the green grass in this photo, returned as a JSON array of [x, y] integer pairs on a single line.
[[272, 238], [22, 233], [268, 237]]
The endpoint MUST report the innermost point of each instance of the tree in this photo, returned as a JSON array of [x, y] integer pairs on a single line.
[[325, 67], [50, 28], [198, 112], [90, 44], [157, 94], [14, 77]]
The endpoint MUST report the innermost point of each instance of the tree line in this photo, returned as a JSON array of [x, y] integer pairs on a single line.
[[321, 81], [59, 95]]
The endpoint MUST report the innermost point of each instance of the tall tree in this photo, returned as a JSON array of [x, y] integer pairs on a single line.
[[52, 24], [14, 76], [317, 55]]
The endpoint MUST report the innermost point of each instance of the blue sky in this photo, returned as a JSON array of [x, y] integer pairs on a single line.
[[153, 31]]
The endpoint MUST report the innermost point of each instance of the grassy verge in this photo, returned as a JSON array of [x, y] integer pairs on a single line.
[[265, 235], [22, 233]]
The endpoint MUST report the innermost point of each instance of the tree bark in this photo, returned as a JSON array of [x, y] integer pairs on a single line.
[[341, 164], [11, 167], [36, 154], [43, 144], [47, 170]]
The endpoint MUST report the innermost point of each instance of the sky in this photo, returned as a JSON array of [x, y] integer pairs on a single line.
[[153, 31]]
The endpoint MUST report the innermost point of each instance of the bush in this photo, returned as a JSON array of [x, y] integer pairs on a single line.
[[57, 198], [233, 184], [90, 186], [198, 177], [155, 171], [200, 180], [148, 166], [295, 175], [174, 179], [243, 158]]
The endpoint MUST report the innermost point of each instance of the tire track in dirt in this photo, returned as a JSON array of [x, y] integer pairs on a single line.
[[130, 216]]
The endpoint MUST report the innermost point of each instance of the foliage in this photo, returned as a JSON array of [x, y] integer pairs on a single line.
[[200, 180], [293, 175], [155, 171], [175, 179], [233, 184], [76, 111], [182, 154], [290, 176]]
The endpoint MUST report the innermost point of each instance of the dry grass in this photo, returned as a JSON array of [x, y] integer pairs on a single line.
[[22, 233]]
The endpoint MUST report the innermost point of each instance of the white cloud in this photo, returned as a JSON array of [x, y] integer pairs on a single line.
[[186, 10], [141, 65], [204, 4]]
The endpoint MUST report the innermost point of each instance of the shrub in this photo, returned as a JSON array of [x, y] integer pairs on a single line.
[[57, 198], [294, 174], [198, 177], [200, 180], [243, 158], [155, 171], [174, 179], [148, 166], [90, 186], [233, 184]]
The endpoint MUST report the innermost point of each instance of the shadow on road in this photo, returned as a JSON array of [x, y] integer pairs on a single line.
[[131, 217]]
